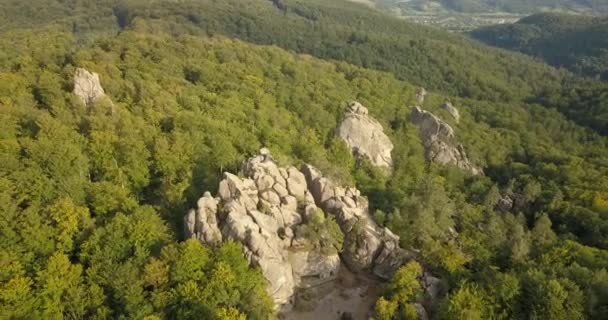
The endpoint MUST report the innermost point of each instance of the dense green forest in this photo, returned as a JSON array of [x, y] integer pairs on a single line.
[[330, 30], [92, 198], [575, 42]]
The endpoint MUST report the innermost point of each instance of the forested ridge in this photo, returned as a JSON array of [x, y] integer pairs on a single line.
[[575, 42], [92, 198], [336, 30]]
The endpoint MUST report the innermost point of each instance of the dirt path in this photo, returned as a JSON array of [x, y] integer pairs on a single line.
[[354, 294]]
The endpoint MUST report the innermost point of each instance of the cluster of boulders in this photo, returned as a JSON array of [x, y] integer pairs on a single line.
[[262, 210], [366, 245], [439, 142], [265, 207], [365, 136], [88, 87]]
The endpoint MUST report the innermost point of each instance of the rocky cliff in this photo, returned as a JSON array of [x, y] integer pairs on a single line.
[[365, 136], [88, 87], [277, 214], [439, 142]]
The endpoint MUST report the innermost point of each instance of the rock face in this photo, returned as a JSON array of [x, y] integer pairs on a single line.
[[264, 208], [365, 136], [447, 106], [439, 143], [262, 211], [202, 222], [87, 87], [366, 245]]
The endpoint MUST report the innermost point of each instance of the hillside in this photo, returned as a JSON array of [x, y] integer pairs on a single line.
[[328, 30], [336, 30], [117, 118], [577, 43]]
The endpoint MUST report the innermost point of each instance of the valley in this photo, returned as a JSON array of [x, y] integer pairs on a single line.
[[459, 22]]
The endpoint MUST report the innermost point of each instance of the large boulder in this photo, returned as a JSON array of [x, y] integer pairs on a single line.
[[434, 290], [88, 87], [365, 136], [439, 142], [505, 204], [391, 257], [510, 202], [420, 95], [449, 107]]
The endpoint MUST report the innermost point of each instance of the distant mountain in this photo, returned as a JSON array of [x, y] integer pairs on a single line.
[[578, 43]]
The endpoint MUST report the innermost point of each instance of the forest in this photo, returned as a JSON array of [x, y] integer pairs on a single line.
[[92, 198], [575, 42]]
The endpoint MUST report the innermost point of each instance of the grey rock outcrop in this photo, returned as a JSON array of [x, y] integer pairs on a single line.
[[510, 202], [439, 143], [202, 222], [505, 204], [266, 206], [366, 245], [420, 95], [88, 87], [261, 210], [434, 290], [365, 136], [447, 106]]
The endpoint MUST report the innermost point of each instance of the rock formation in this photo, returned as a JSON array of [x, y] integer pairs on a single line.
[[365, 136], [366, 245], [447, 106], [87, 87], [439, 143], [510, 202], [420, 95], [264, 209], [202, 222], [434, 290], [505, 204]]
